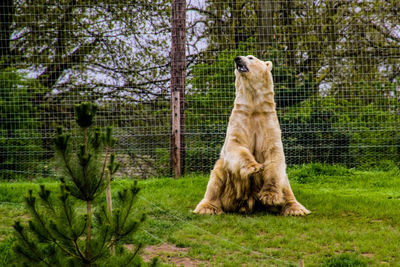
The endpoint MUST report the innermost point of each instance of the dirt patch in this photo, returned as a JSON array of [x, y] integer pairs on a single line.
[[169, 254], [271, 249], [368, 255]]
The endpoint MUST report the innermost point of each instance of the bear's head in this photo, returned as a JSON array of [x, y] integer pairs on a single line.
[[254, 73]]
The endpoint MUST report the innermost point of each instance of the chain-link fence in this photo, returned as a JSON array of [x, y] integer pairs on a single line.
[[336, 73]]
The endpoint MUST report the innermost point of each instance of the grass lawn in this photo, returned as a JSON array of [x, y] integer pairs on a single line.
[[355, 216]]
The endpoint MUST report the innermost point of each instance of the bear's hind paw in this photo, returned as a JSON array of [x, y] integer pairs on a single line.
[[207, 208], [295, 209]]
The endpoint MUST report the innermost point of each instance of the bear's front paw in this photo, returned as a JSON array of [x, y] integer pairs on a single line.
[[295, 209], [251, 169], [271, 197], [207, 208]]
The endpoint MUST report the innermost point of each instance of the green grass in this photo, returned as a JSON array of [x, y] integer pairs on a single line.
[[355, 220]]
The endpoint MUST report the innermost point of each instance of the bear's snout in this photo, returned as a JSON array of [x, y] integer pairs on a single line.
[[240, 65]]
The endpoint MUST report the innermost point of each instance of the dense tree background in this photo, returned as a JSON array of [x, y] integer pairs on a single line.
[[336, 72], [336, 69]]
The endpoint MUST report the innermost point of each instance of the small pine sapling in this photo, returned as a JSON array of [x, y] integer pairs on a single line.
[[61, 232]]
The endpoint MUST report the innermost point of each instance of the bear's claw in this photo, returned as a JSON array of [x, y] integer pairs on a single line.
[[295, 209]]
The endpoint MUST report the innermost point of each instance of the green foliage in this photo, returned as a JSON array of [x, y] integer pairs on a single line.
[[334, 130], [19, 128], [382, 165], [201, 159], [290, 86], [89, 167], [314, 131], [369, 142], [315, 171], [85, 114], [344, 260], [60, 233], [162, 166], [56, 233], [145, 131], [6, 253]]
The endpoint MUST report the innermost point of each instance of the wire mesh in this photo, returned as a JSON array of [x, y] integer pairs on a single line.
[[336, 73]]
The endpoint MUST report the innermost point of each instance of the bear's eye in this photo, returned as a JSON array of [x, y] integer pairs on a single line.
[[250, 58]]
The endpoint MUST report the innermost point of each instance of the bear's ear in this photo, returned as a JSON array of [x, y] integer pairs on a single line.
[[269, 65]]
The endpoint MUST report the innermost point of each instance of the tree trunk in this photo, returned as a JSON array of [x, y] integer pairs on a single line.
[[89, 229]]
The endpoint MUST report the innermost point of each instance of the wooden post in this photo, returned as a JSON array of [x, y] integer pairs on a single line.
[[178, 77]]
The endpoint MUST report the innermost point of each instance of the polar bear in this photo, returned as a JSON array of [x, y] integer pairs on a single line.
[[251, 170]]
